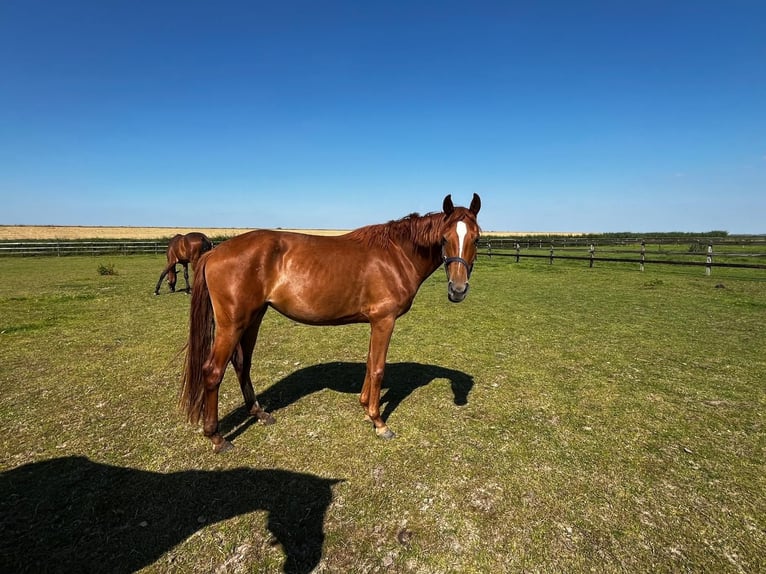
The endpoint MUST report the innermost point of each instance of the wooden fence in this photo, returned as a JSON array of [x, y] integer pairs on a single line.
[[746, 253], [743, 256], [61, 248]]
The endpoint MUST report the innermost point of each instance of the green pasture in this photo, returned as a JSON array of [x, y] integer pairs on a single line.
[[561, 419]]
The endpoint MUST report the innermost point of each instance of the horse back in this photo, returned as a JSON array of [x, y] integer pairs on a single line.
[[188, 248], [309, 278]]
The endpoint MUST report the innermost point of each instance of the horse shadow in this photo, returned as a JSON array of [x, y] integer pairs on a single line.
[[74, 515], [400, 381]]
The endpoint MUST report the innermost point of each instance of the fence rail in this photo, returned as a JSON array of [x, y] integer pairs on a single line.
[[628, 260], [662, 242], [536, 249], [565, 248], [62, 248]]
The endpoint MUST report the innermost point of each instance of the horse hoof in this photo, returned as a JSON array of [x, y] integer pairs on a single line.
[[385, 433], [265, 418], [222, 447]]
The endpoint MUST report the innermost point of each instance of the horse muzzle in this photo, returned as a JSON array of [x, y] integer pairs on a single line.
[[456, 293], [457, 290]]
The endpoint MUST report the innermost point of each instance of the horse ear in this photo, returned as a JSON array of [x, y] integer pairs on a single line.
[[448, 207], [475, 204]]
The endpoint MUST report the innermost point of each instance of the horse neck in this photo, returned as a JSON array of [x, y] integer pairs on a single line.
[[422, 244], [417, 237]]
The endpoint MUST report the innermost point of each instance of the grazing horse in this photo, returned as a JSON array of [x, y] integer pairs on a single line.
[[183, 249], [370, 275]]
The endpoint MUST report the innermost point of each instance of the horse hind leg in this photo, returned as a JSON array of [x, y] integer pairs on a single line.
[[186, 276], [242, 361], [212, 373]]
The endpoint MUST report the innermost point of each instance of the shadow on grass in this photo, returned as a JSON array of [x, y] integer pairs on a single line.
[[74, 515], [400, 381]]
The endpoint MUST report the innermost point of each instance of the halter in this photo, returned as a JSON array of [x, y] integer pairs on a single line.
[[463, 262]]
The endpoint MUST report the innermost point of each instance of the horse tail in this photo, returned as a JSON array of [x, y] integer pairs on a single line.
[[191, 399]]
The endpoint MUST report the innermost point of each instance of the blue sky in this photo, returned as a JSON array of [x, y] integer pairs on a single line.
[[564, 116]]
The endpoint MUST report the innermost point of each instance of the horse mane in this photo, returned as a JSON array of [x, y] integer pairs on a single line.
[[421, 230]]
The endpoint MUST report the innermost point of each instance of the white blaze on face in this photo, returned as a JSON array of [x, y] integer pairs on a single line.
[[462, 230]]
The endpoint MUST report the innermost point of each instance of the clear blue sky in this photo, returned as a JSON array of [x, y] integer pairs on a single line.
[[564, 116]]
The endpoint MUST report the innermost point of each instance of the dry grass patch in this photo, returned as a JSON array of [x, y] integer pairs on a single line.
[[62, 232]]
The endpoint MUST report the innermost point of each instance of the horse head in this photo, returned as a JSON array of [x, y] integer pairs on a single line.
[[459, 245], [172, 277]]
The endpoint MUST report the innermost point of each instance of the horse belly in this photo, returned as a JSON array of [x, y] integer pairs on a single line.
[[315, 306]]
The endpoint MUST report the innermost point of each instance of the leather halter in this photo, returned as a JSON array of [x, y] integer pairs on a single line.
[[463, 262], [448, 260]]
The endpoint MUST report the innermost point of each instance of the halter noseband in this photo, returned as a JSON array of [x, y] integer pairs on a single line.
[[448, 260]]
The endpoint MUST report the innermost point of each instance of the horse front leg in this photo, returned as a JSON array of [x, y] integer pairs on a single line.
[[162, 276], [380, 337], [242, 360]]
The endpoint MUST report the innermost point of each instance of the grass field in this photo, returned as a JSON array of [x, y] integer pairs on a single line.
[[561, 419]]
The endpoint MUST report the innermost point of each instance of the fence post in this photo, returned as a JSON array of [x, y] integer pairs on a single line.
[[489, 247], [709, 260], [643, 255], [518, 248], [551, 261], [592, 254]]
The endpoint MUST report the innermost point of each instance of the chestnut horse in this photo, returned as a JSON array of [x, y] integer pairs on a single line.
[[183, 249], [370, 275]]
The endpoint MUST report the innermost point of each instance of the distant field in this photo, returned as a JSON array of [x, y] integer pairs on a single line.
[[29, 232], [36, 232]]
